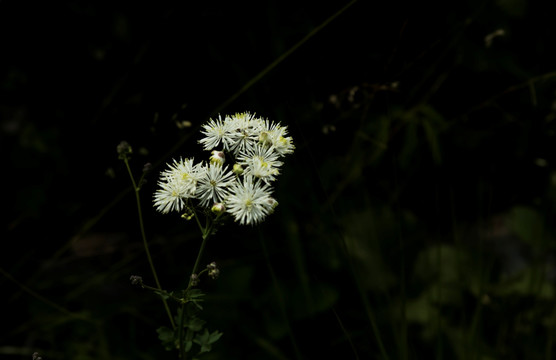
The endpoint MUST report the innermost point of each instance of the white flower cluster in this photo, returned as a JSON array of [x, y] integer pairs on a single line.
[[254, 145]]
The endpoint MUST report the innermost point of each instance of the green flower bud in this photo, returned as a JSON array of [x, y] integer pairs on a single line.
[[238, 169], [218, 208]]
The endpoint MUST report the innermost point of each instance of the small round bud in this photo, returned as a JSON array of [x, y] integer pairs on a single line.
[[194, 280], [238, 169], [272, 204], [136, 280], [211, 266], [217, 157], [147, 167], [188, 214], [123, 149], [218, 208]]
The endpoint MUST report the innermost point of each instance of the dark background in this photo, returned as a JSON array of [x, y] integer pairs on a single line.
[[415, 218]]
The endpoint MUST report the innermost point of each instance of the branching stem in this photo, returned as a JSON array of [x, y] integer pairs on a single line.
[[145, 244]]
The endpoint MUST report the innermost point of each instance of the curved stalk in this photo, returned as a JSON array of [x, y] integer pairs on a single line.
[[145, 244]]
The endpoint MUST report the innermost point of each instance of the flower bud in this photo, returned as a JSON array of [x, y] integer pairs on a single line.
[[238, 169], [194, 280], [123, 149], [218, 208], [214, 272], [217, 157], [271, 204], [136, 280], [188, 214]]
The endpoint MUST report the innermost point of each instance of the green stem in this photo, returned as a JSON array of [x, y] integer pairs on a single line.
[[198, 260], [145, 244], [206, 230], [181, 320]]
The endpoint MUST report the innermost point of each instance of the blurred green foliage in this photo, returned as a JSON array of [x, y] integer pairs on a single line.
[[415, 218]]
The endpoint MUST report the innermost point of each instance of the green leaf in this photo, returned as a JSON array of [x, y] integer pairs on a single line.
[[189, 340], [163, 294], [195, 294], [215, 336], [167, 337], [197, 305], [195, 324], [206, 339]]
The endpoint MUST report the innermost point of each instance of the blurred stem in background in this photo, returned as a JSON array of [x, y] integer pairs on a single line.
[[124, 150]]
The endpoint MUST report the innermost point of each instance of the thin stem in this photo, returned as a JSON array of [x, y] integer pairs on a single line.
[[198, 260], [145, 244], [281, 58], [46, 301], [206, 230], [181, 320]]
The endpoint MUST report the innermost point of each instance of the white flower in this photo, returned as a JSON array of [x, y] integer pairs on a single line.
[[254, 145], [177, 184], [171, 196], [214, 183], [261, 162], [216, 132], [275, 135], [249, 201], [282, 145], [244, 133], [183, 171]]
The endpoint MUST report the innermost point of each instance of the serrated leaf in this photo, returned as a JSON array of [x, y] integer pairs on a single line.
[[202, 340], [195, 324], [206, 339], [197, 305], [167, 337], [194, 294], [215, 336]]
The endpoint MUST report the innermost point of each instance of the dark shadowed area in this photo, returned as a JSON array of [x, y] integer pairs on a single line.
[[415, 217]]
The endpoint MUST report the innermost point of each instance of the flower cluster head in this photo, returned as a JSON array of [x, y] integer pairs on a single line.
[[245, 160], [213, 271]]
